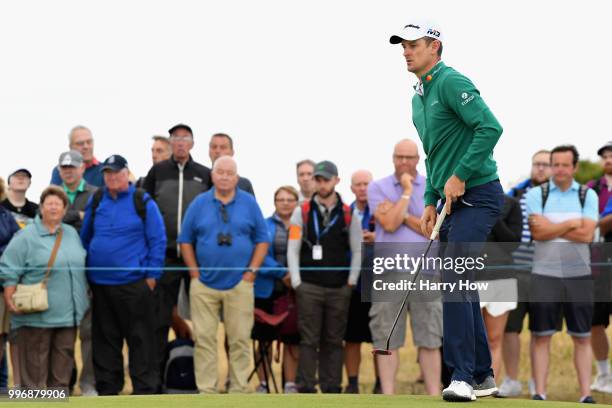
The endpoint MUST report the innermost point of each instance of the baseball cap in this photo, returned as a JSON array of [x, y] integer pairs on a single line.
[[416, 30], [26, 171], [71, 158], [605, 147], [180, 126], [325, 169], [114, 163]]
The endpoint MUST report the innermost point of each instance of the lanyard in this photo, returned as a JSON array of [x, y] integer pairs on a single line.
[[315, 220], [365, 221]]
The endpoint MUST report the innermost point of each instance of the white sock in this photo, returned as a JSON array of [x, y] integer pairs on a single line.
[[603, 367], [289, 384]]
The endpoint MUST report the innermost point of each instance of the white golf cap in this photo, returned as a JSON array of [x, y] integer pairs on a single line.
[[416, 30]]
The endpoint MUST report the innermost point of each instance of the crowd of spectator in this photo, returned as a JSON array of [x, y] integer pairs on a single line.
[[117, 254]]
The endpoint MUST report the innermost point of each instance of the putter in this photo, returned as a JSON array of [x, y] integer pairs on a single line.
[[434, 235]]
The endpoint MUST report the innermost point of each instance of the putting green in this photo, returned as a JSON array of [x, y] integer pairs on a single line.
[[284, 401]]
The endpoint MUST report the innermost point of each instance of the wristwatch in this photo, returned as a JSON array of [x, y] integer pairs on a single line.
[[252, 270]]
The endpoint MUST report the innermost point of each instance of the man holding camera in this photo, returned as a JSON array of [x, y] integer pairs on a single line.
[[224, 240]]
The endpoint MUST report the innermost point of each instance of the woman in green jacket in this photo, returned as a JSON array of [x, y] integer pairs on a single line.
[[46, 339]]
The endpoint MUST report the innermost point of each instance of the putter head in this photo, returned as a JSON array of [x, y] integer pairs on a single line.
[[381, 352]]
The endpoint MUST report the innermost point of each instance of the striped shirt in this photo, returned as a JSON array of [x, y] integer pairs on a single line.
[[524, 253]]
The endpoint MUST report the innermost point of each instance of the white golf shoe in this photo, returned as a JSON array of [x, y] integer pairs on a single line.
[[458, 391], [510, 388], [602, 383]]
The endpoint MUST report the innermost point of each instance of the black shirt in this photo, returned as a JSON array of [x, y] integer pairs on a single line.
[[23, 215]]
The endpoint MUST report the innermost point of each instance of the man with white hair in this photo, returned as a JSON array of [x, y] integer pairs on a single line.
[[124, 235], [357, 327], [224, 240], [81, 140]]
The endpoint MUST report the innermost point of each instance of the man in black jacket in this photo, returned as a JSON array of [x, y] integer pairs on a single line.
[[173, 184]]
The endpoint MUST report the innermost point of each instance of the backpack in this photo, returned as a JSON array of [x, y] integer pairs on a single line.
[[346, 210], [597, 186], [582, 192], [179, 374], [140, 204]]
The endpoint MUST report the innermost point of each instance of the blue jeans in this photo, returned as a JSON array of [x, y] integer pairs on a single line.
[[465, 344]]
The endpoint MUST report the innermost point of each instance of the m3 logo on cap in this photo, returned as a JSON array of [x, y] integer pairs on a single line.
[[433, 32]]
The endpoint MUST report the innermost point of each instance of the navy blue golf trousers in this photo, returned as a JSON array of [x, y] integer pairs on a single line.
[[465, 345]]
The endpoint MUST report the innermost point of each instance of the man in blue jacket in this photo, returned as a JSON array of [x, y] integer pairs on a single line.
[[124, 235]]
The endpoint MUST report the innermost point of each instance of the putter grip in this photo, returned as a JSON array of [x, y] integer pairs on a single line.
[[436, 230]]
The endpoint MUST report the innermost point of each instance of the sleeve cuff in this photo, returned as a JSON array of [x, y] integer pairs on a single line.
[[431, 198], [10, 282], [463, 172]]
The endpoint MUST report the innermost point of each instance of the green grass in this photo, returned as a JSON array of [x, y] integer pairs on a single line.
[[286, 401]]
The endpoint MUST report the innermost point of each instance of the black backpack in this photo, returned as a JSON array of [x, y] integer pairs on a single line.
[[582, 192], [140, 203], [179, 373], [597, 186]]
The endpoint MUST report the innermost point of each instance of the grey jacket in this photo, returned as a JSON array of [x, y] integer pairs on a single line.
[[72, 216]]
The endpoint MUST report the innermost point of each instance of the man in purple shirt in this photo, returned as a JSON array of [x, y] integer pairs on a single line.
[[601, 314], [397, 203], [603, 185]]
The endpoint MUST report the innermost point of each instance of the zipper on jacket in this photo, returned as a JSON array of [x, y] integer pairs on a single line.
[[179, 217]]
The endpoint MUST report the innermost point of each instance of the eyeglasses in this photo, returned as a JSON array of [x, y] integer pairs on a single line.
[[181, 138], [84, 142], [540, 164], [285, 200], [404, 158]]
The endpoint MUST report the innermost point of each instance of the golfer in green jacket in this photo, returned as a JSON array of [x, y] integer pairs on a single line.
[[459, 133]]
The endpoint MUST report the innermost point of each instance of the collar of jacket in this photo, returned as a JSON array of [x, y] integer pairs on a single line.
[[429, 77], [41, 228], [176, 163]]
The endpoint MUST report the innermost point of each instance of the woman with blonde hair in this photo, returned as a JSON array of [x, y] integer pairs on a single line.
[[273, 281]]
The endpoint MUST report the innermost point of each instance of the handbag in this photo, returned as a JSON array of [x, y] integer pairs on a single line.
[[34, 297]]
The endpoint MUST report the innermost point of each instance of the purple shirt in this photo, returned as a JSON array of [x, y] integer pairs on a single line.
[[604, 193], [390, 189]]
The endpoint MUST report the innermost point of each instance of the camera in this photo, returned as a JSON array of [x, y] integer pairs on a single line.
[[224, 239]]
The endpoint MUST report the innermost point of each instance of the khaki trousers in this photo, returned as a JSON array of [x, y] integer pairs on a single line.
[[237, 305]]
